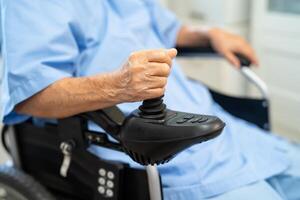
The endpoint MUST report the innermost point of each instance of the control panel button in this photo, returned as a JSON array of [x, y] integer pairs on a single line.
[[110, 184], [101, 181], [109, 193], [181, 121], [188, 116], [101, 190], [102, 172], [203, 119], [196, 119], [110, 175]]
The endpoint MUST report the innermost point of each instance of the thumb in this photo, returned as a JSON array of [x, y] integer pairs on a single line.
[[172, 52]]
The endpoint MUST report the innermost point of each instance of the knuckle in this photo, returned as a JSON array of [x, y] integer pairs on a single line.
[[138, 68], [147, 78], [165, 54], [133, 56], [161, 54], [166, 69], [131, 71]]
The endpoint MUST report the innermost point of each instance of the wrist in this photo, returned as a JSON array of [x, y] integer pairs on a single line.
[[212, 32], [110, 86], [118, 85], [203, 30]]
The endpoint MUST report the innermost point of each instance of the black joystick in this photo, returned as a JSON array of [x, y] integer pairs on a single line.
[[154, 134], [153, 109]]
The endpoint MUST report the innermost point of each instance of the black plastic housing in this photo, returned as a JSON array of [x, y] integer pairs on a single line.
[[157, 141]]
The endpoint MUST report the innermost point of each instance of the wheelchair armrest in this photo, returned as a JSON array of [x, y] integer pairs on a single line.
[[245, 65], [137, 133], [208, 51], [255, 111], [195, 51], [110, 119]]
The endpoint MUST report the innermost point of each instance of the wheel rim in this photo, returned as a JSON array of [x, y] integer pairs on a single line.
[[7, 193]]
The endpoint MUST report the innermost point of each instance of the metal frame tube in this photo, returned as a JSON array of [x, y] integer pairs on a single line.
[[154, 182], [256, 80], [13, 147]]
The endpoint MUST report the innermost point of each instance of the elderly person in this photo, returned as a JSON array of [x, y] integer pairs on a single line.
[[66, 57]]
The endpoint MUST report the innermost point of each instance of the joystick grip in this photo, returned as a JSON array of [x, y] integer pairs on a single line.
[[153, 109]]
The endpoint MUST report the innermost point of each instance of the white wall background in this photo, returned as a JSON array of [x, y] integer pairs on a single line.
[[275, 32]]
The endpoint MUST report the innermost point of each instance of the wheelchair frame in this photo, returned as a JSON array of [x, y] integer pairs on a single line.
[[75, 129]]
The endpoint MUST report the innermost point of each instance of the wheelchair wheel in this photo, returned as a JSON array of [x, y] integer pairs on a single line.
[[16, 185]]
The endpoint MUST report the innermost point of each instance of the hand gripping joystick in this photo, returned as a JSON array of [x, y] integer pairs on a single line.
[[154, 134]]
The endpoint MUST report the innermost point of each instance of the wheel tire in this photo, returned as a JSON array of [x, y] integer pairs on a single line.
[[21, 184]]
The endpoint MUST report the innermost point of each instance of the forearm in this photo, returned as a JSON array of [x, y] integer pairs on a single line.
[[143, 76], [72, 96], [190, 36]]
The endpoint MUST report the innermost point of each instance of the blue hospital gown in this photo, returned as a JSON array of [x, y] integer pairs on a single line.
[[44, 41]]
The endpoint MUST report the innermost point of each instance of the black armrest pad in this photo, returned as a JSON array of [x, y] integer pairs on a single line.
[[255, 111], [196, 51], [186, 51]]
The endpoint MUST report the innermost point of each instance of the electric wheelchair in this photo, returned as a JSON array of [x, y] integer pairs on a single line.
[[52, 162]]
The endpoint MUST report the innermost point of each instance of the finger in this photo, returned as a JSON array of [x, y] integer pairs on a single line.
[[157, 82], [158, 69], [161, 56], [154, 93], [249, 53], [232, 59]]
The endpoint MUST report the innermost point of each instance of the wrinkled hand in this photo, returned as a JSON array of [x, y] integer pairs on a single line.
[[144, 75], [228, 44]]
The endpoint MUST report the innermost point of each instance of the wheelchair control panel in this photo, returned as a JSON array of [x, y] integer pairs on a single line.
[[154, 134]]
